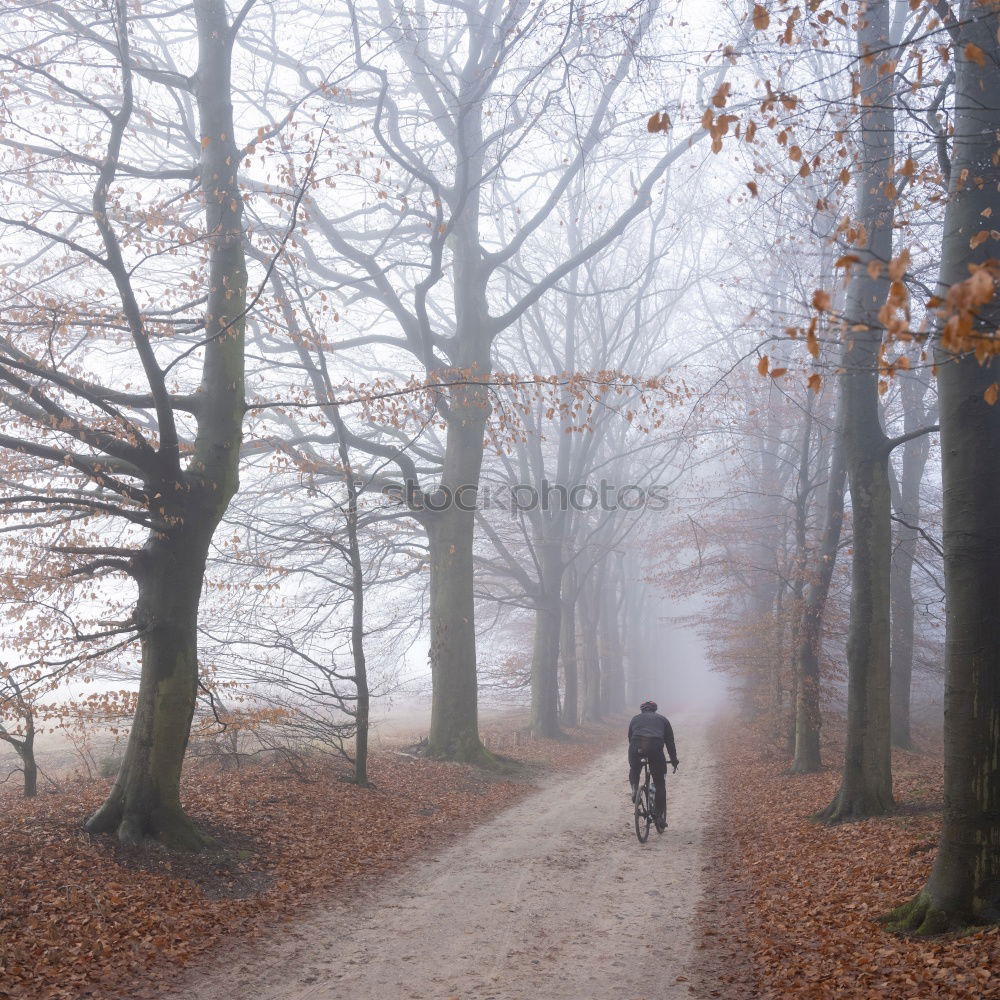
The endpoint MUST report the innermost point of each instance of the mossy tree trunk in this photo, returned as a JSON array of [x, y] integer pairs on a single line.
[[186, 504], [145, 800], [964, 885]]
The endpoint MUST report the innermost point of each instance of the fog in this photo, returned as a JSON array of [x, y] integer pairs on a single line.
[[445, 359]]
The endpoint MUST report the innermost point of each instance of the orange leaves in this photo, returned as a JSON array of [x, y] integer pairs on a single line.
[[821, 300], [991, 394], [761, 18], [812, 341], [83, 918], [975, 54], [980, 238], [658, 122], [805, 897], [716, 127], [895, 312], [898, 266], [960, 308], [721, 95], [815, 382], [764, 368]]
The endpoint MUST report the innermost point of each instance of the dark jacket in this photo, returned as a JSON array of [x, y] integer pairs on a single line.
[[653, 726]]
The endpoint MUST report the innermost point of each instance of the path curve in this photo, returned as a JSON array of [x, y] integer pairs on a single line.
[[543, 902]]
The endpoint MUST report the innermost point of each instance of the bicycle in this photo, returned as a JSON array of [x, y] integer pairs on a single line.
[[645, 804]]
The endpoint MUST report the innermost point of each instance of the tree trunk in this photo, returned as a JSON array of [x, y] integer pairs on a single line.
[[964, 885], [612, 661], [593, 710], [545, 653], [567, 651], [26, 750], [866, 786], [30, 767], [803, 496], [363, 703], [188, 504], [145, 799], [454, 733], [907, 505], [808, 718]]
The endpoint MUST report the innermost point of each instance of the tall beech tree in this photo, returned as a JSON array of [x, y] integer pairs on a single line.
[[917, 413], [162, 457], [964, 885], [866, 785], [468, 181]]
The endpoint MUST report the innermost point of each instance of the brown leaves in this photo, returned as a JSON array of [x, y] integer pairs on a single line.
[[960, 308], [821, 300], [975, 54], [801, 900], [83, 917], [721, 95], [812, 341], [761, 18], [717, 127], [658, 122]]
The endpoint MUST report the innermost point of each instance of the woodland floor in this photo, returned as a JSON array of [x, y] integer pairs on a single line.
[[553, 899], [793, 904], [82, 917], [448, 884]]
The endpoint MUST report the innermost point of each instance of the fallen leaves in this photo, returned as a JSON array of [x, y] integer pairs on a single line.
[[82, 916], [794, 903]]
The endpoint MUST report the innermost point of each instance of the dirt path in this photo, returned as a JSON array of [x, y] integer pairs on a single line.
[[545, 902]]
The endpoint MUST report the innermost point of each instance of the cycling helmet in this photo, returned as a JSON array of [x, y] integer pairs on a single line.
[[648, 706]]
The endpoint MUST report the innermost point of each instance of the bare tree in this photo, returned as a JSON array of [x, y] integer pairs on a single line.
[[139, 428]]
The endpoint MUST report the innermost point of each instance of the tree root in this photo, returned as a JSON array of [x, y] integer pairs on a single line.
[[171, 827], [921, 918], [847, 810]]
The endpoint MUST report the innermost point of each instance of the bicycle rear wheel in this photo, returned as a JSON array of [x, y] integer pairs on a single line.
[[643, 807], [661, 821]]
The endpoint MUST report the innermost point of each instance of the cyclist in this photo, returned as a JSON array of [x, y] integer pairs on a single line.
[[648, 733]]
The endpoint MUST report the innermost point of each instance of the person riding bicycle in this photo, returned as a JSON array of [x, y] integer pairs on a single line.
[[648, 733]]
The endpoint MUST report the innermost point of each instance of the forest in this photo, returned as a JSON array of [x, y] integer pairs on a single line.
[[394, 394]]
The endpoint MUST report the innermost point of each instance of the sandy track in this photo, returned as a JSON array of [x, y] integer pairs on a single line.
[[545, 902]]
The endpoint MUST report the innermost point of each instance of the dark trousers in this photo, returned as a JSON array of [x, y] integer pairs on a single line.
[[640, 747]]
